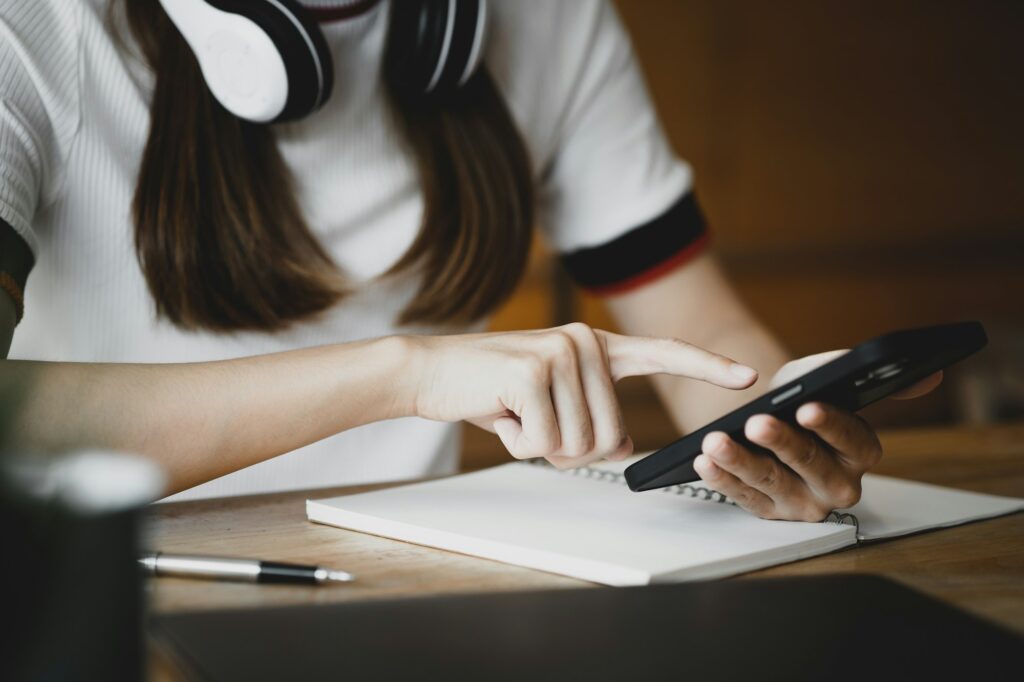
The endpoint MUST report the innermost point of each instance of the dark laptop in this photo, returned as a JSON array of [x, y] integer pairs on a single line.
[[819, 628]]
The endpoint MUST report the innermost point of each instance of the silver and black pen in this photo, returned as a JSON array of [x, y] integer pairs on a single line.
[[244, 570]]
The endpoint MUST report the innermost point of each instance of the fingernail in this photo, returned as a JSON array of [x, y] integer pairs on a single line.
[[742, 371]]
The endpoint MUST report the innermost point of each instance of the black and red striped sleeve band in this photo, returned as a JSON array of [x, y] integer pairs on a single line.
[[643, 254], [16, 258], [16, 261]]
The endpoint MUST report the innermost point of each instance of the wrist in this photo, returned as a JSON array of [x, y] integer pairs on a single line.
[[402, 363]]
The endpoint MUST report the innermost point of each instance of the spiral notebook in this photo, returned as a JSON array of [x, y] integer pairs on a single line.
[[586, 523]]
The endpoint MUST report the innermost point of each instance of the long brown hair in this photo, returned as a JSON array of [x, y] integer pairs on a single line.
[[221, 238]]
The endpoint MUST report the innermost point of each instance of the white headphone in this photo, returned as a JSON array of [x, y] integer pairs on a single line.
[[267, 61]]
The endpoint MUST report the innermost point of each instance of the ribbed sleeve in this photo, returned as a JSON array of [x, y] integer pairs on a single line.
[[38, 105]]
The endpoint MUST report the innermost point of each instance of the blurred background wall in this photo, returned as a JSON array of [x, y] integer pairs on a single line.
[[862, 168]]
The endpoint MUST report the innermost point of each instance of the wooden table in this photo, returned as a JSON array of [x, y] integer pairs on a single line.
[[979, 567]]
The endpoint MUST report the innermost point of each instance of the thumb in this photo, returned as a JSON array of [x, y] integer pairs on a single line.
[[926, 385], [638, 356], [801, 366]]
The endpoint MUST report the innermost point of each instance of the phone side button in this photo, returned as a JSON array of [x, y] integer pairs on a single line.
[[787, 394]]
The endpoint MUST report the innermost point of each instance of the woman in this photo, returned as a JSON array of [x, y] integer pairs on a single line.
[[214, 289]]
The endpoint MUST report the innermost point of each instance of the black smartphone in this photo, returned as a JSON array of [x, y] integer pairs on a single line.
[[870, 372]]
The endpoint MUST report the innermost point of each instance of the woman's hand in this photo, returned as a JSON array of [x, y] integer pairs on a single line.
[[550, 393], [816, 468]]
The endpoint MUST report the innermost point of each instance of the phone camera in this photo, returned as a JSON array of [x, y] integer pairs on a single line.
[[880, 374]]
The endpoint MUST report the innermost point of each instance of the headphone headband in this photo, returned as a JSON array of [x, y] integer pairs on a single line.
[[267, 60]]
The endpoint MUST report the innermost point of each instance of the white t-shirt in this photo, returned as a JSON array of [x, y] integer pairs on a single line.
[[74, 120]]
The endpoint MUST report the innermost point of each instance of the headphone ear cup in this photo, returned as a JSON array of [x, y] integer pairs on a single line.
[[434, 46], [301, 45]]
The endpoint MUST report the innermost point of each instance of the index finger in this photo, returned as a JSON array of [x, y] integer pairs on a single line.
[[630, 356]]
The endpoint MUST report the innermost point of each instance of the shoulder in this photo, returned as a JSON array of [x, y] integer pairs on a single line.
[[537, 31], [39, 101], [546, 54], [39, 40], [50, 21]]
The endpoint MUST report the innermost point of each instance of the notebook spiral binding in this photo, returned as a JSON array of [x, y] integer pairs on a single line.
[[695, 491], [843, 518]]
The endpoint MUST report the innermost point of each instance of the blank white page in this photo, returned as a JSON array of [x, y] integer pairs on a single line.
[[591, 529], [891, 507]]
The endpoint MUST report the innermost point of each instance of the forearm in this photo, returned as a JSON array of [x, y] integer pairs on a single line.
[[204, 420], [697, 304]]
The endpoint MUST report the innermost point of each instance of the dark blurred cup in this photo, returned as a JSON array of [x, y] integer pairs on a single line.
[[71, 586]]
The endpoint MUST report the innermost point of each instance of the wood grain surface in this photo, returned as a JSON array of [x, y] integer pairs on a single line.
[[979, 567]]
